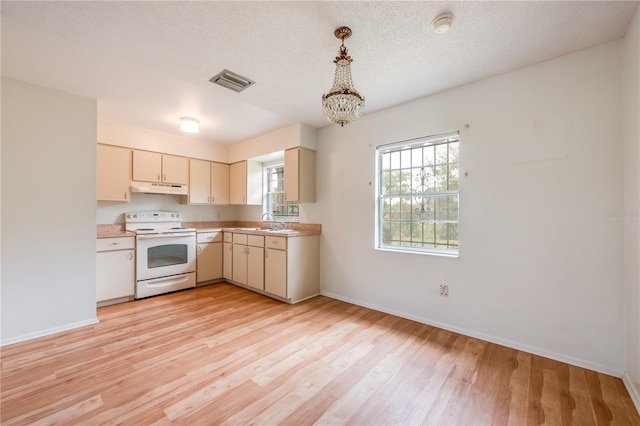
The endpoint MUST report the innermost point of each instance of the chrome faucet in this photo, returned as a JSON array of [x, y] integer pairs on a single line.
[[274, 226]]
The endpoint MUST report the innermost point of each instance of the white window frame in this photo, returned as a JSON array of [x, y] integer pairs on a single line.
[[424, 196], [267, 202]]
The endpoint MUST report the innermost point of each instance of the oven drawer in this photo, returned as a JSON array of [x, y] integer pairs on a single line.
[[208, 237], [118, 243]]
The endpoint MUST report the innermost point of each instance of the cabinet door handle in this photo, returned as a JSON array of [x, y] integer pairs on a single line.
[[199, 249], [266, 254], [125, 195], [165, 177], [130, 256], [158, 177]]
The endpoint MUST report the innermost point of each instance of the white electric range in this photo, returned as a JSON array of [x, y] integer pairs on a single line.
[[165, 252]]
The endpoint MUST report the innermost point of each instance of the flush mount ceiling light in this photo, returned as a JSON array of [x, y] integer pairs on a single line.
[[442, 23], [343, 103], [189, 125]]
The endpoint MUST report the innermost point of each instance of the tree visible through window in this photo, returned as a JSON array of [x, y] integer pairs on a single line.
[[274, 196], [418, 195]]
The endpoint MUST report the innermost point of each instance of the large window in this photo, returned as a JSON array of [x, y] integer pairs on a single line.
[[417, 191], [274, 196]]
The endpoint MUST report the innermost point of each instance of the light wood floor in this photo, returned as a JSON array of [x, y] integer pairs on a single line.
[[221, 354]]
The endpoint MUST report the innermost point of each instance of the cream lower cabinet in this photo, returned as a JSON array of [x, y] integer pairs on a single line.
[[292, 267], [275, 266], [208, 256], [227, 256], [248, 260], [115, 270]]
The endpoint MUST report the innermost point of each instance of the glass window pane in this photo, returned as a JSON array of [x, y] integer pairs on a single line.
[[405, 158], [454, 175], [429, 155], [441, 154], [454, 150], [440, 178], [416, 211], [416, 157]]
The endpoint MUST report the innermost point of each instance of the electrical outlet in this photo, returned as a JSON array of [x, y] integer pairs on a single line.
[[444, 290]]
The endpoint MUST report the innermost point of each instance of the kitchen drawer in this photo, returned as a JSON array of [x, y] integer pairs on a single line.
[[208, 237], [118, 243], [279, 243], [240, 239], [256, 240], [228, 237]]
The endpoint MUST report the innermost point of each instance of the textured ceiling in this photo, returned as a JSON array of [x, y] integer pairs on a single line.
[[148, 63]]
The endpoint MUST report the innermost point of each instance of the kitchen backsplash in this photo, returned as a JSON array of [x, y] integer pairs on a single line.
[[109, 212]]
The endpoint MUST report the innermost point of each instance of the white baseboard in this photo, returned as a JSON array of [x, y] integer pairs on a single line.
[[48, 332], [634, 393], [489, 338]]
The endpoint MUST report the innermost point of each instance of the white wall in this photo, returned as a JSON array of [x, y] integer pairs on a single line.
[[112, 213], [278, 140], [540, 264], [631, 211], [48, 210], [140, 138]]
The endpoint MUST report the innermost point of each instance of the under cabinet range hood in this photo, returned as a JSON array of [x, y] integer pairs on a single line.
[[159, 188]]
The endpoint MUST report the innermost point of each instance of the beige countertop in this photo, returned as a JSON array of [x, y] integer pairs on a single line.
[[241, 227], [113, 231]]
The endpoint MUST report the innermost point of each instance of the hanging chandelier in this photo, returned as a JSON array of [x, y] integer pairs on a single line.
[[343, 103]]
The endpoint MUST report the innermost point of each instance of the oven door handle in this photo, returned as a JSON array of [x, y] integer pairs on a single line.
[[166, 281], [169, 235]]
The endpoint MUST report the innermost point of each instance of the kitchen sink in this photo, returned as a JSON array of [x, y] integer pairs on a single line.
[[284, 231], [251, 229]]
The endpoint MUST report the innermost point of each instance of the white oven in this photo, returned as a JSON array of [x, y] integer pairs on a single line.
[[165, 253]]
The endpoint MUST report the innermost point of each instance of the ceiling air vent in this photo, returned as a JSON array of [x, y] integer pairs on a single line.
[[232, 81]]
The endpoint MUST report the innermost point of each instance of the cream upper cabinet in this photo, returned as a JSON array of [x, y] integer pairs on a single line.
[[199, 182], [113, 173], [155, 167], [175, 169], [208, 182], [147, 166], [245, 183], [300, 175], [219, 183]]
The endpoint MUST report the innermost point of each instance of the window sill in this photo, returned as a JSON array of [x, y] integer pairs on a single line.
[[421, 252]]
